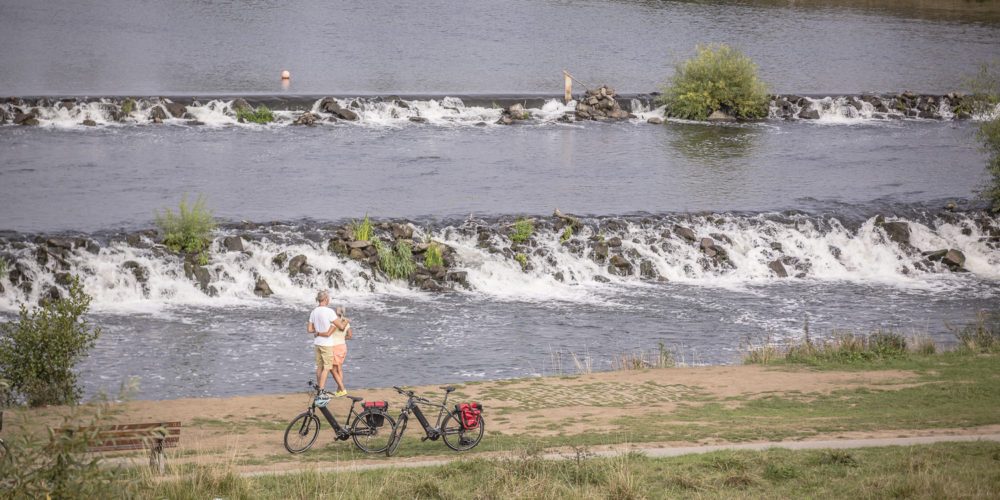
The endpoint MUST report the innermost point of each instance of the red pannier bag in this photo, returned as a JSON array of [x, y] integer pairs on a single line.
[[375, 419], [468, 414]]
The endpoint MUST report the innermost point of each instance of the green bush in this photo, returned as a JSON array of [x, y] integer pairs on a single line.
[[433, 257], [128, 105], [362, 231], [982, 335], [396, 263], [989, 135], [523, 229], [718, 78], [523, 260], [39, 350], [260, 115], [189, 230]]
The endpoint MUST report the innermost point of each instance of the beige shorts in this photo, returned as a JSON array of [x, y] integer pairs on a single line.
[[339, 354], [324, 357]]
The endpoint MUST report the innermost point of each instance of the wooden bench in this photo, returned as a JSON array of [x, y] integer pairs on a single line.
[[154, 436]]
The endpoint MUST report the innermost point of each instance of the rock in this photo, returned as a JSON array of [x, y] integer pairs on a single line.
[[809, 113], [417, 119], [138, 270], [517, 112], [655, 120], [951, 257], [776, 246], [460, 277], [615, 242], [505, 119], [280, 259], [233, 244], [239, 104], [308, 119], [647, 270], [601, 279], [402, 231], [203, 276], [360, 245], [176, 109], [778, 268], [559, 276], [600, 251], [157, 114], [41, 256], [685, 233], [26, 119], [297, 265], [346, 114], [708, 247], [720, 116], [60, 243], [262, 289], [357, 254], [89, 123], [63, 279], [338, 247], [898, 232]]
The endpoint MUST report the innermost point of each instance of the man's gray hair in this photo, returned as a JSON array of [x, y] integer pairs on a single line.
[[322, 295]]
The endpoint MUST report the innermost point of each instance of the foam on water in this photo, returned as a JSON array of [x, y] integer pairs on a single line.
[[810, 249]]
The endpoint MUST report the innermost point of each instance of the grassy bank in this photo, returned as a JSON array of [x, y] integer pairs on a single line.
[[946, 470]]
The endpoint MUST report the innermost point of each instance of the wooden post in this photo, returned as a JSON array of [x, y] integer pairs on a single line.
[[568, 84], [157, 460]]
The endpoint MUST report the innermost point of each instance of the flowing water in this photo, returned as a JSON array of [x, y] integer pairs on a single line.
[[812, 187]]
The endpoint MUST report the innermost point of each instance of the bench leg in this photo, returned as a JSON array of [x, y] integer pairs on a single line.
[[157, 460]]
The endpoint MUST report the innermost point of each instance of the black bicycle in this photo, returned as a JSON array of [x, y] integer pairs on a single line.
[[461, 430], [372, 430]]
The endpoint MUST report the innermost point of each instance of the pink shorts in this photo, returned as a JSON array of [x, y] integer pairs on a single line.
[[339, 354]]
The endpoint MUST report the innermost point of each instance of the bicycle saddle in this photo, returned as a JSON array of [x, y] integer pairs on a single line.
[[448, 388], [355, 398]]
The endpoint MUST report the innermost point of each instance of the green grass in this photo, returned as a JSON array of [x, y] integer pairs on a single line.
[[396, 263], [3, 268], [260, 115], [362, 231], [717, 78], [128, 105], [433, 257], [944, 470], [190, 229], [523, 230], [522, 259], [566, 234]]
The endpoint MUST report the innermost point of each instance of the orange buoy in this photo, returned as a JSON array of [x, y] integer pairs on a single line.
[[285, 75]]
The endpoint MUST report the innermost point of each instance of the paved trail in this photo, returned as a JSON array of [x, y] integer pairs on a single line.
[[672, 451]]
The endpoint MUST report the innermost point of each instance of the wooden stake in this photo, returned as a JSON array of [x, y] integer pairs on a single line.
[[568, 84]]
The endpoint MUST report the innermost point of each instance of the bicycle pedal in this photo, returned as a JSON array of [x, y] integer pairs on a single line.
[[425, 438]]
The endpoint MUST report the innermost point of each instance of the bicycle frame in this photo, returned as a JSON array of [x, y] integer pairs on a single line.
[[342, 431], [432, 432]]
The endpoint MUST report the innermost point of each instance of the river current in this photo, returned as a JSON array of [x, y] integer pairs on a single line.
[[816, 188]]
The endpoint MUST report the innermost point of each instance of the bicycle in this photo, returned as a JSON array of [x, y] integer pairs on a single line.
[[449, 425], [367, 428]]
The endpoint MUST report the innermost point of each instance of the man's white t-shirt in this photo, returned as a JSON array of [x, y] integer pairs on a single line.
[[321, 318]]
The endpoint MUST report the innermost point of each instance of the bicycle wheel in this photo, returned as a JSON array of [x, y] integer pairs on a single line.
[[397, 436], [373, 438], [301, 433], [458, 437]]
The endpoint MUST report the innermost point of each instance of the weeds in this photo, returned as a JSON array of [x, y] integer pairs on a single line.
[[661, 358], [717, 78], [522, 259], [523, 229], [128, 105], [843, 348], [261, 115], [362, 231], [433, 257], [566, 234], [3, 268], [396, 263], [980, 336], [188, 230]]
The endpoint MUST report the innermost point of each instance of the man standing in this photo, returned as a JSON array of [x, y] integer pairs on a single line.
[[323, 322]]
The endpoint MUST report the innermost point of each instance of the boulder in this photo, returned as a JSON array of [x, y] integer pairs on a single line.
[[298, 265], [600, 251], [176, 109], [280, 259], [708, 247], [647, 270], [460, 277], [89, 123], [897, 231], [776, 246], [136, 269], [685, 233], [655, 120], [308, 119], [157, 114], [778, 268], [203, 276], [417, 119], [721, 116], [262, 289], [26, 119], [402, 231], [615, 242], [951, 257], [63, 279], [360, 245], [338, 247], [239, 104], [809, 113], [233, 244]]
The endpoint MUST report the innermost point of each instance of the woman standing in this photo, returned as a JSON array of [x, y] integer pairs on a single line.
[[340, 336]]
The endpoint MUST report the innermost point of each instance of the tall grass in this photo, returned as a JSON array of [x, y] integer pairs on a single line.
[[363, 230], [566, 234], [983, 99], [717, 78], [261, 115], [661, 358], [396, 262], [433, 257], [523, 230], [980, 336], [842, 348], [189, 230], [3, 268]]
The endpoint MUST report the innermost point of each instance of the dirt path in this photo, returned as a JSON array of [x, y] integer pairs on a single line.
[[246, 432]]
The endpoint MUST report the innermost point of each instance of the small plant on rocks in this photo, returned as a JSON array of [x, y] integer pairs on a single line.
[[189, 230], [362, 231], [717, 78], [433, 257], [261, 115], [523, 229]]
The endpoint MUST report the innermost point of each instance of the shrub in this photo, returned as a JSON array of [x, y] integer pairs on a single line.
[[717, 78], [566, 234], [39, 350], [433, 257], [188, 230], [260, 115], [396, 263], [128, 105], [3, 268], [523, 229], [362, 231], [982, 335]]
